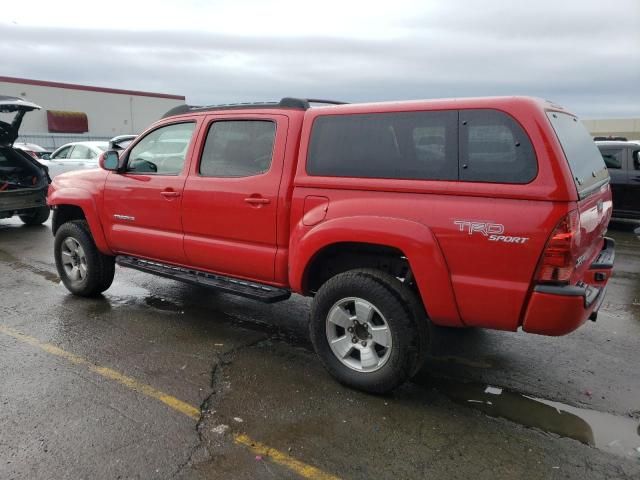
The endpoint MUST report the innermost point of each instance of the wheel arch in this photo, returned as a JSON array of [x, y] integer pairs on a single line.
[[401, 241], [77, 204]]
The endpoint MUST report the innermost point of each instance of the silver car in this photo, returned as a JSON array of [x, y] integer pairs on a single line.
[[75, 156]]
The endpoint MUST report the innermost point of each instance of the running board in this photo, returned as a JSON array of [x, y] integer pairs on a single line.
[[243, 288]]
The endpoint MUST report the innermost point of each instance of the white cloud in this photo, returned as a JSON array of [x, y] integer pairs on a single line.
[[352, 50]]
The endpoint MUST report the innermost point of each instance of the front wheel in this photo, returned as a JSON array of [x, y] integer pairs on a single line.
[[83, 269], [364, 328]]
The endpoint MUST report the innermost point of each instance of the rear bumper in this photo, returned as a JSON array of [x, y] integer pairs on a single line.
[[558, 310], [15, 201]]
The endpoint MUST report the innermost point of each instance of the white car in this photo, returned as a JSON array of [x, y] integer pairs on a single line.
[[74, 156]]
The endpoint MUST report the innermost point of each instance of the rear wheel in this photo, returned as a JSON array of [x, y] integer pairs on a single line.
[[83, 269], [365, 328], [36, 216]]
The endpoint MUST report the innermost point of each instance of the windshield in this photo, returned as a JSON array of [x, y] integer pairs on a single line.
[[102, 146], [586, 163]]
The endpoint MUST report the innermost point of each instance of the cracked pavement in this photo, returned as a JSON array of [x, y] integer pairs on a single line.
[[250, 369]]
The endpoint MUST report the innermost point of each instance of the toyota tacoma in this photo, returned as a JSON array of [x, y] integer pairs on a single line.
[[395, 217]]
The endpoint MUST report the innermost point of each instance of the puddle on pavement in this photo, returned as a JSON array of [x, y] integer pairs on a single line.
[[16, 263], [611, 433], [162, 304], [125, 294]]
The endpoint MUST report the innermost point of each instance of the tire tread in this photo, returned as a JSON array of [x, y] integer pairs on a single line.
[[101, 267], [37, 217], [398, 304]]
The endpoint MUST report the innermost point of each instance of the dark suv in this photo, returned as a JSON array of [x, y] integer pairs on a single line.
[[623, 161], [23, 180]]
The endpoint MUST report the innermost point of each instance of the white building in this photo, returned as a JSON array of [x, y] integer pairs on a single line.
[[79, 112], [615, 127]]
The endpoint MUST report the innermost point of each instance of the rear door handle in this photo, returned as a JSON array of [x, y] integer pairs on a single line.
[[257, 200], [169, 194]]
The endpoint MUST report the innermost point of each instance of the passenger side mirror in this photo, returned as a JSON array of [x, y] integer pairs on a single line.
[[110, 161]]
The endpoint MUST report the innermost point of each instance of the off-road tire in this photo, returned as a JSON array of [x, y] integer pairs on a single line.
[[37, 216], [403, 314], [100, 268]]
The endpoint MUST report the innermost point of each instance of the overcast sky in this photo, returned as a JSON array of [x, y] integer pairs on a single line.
[[576, 53]]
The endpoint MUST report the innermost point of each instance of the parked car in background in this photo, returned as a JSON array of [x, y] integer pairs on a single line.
[[121, 142], [610, 138], [33, 149], [75, 156], [623, 161], [23, 180]]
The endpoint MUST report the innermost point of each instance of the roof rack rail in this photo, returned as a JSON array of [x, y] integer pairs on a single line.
[[329, 102], [286, 102], [305, 103]]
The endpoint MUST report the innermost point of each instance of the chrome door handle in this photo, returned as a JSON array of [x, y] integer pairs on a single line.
[[169, 194], [257, 200]]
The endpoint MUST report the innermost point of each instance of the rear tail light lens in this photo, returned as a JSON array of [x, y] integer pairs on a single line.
[[559, 256]]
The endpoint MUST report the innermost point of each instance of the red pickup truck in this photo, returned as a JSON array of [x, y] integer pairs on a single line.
[[395, 217]]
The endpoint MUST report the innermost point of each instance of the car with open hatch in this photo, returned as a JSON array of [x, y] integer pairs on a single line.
[[23, 180], [396, 217]]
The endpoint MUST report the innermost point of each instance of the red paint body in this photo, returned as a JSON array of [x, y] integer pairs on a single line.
[[216, 224]]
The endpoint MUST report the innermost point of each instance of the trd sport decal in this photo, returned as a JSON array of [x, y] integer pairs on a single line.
[[493, 231]]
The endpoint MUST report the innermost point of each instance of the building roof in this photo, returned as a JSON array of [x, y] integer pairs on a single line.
[[88, 88], [618, 143]]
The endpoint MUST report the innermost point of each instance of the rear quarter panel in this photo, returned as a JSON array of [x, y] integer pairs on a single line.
[[464, 279]]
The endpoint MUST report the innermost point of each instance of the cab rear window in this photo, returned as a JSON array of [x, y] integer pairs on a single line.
[[585, 161]]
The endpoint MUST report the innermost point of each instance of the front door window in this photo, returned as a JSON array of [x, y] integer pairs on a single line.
[[163, 151]]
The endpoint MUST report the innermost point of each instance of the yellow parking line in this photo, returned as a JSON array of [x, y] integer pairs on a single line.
[[302, 469], [149, 391]]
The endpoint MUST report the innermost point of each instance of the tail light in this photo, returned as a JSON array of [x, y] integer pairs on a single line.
[[560, 254]]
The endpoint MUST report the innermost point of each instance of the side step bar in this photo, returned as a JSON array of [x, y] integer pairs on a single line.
[[243, 288]]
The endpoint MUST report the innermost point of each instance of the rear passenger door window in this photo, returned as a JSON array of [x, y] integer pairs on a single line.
[[635, 158], [494, 148], [238, 148], [398, 145]]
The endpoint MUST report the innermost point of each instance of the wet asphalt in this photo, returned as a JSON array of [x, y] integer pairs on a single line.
[[565, 407]]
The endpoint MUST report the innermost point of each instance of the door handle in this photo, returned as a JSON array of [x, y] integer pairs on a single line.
[[169, 194], [257, 200]]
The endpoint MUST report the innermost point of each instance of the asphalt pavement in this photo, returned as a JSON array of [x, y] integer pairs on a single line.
[[156, 379]]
